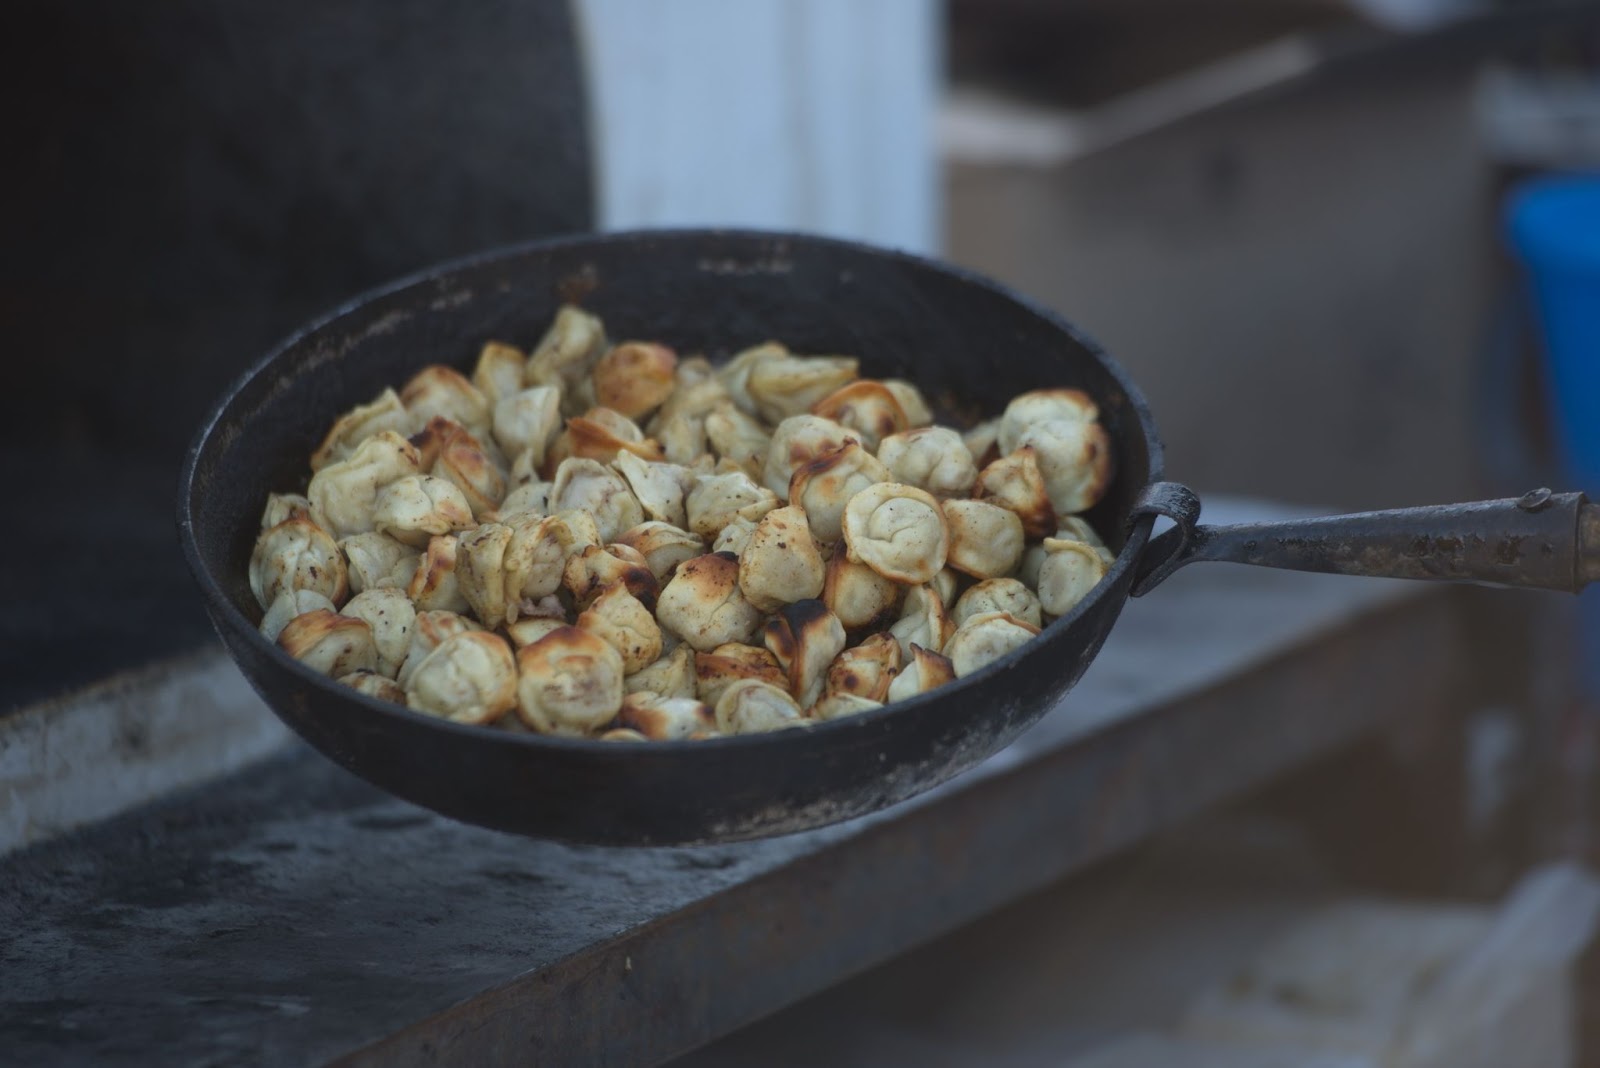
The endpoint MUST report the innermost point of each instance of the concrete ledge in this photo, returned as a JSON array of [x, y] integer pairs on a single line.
[[126, 741]]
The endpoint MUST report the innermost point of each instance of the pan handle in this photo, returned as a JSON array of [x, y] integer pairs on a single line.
[[1541, 540]]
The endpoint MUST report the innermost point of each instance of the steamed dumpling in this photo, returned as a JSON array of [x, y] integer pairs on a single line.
[[897, 530], [933, 458]]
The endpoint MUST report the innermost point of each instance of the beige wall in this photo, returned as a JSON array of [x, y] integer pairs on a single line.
[[1299, 283]]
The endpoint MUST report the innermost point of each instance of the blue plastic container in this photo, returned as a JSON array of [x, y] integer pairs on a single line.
[[1554, 225]]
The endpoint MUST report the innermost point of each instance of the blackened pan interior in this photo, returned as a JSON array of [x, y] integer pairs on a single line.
[[967, 342]]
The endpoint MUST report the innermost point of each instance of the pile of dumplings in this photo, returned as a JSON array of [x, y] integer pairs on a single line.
[[604, 540]]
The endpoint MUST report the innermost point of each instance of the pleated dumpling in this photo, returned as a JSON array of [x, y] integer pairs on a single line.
[[897, 530], [569, 682]]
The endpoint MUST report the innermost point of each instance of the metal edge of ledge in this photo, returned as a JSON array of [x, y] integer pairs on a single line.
[[980, 128], [125, 741]]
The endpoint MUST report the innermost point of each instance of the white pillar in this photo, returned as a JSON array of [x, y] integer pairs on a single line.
[[813, 115]]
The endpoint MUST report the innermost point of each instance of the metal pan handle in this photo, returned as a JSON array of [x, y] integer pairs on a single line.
[[1541, 540]]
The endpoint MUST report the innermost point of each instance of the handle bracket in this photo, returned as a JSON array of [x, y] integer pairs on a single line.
[[1169, 551]]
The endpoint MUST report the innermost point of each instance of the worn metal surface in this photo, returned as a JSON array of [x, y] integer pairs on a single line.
[[969, 344], [293, 915], [1541, 540]]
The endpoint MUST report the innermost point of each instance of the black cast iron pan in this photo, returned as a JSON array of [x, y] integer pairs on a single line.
[[970, 344]]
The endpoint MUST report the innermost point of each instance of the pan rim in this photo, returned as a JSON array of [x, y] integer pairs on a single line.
[[225, 612]]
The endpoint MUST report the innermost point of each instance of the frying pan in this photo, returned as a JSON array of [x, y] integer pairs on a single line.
[[968, 342]]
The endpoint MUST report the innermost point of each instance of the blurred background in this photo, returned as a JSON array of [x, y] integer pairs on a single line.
[[1305, 226]]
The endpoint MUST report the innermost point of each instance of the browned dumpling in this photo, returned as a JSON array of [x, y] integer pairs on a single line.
[[796, 442], [527, 421], [750, 706], [704, 606], [923, 621], [444, 391], [735, 536], [435, 586], [602, 434], [330, 643], [986, 540], [528, 499], [858, 595], [1069, 570], [498, 373], [619, 734], [717, 500], [345, 491], [1042, 406], [469, 678], [375, 685], [529, 629], [429, 630], [297, 555], [998, 595], [804, 637], [682, 438], [790, 385], [725, 665], [933, 458], [377, 561], [912, 402], [418, 507], [733, 435], [673, 675], [924, 671], [1075, 527], [780, 565], [566, 354], [865, 670], [985, 638], [464, 462], [693, 370], [700, 390], [824, 486], [897, 530], [982, 441], [481, 572], [1075, 460], [625, 624], [391, 616], [839, 705], [663, 546], [1015, 482], [536, 559], [635, 377], [659, 487], [734, 376], [868, 409], [595, 568], [286, 606], [360, 423], [662, 718], [592, 487], [570, 682], [430, 439], [281, 506]]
